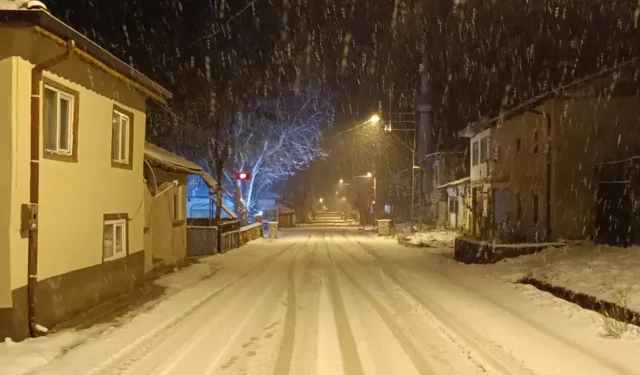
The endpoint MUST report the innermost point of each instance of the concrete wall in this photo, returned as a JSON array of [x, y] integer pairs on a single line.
[[168, 237], [587, 131]]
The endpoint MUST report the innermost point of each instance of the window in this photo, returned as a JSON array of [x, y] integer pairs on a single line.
[[518, 144], [484, 149], [535, 142], [114, 237], [178, 203], [59, 121], [474, 154], [121, 138], [535, 208]]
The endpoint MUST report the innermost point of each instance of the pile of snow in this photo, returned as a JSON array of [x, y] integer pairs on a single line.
[[433, 238], [606, 272]]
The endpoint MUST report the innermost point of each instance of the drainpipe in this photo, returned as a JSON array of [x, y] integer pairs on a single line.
[[549, 156], [30, 212]]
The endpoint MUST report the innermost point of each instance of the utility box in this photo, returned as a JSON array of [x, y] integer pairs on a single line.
[[273, 229], [384, 227]]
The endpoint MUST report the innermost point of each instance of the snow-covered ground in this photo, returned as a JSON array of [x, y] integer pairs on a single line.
[[433, 238], [340, 301], [605, 272]]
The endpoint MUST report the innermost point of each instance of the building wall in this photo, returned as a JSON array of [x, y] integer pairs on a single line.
[[74, 196], [168, 236], [587, 131], [8, 87], [520, 165], [482, 169]]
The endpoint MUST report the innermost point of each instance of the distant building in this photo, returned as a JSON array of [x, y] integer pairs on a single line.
[[440, 168]]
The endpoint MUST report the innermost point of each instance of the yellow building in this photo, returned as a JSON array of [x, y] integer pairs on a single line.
[[72, 138]]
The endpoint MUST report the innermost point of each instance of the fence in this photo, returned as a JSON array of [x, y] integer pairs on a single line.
[[202, 236], [202, 240]]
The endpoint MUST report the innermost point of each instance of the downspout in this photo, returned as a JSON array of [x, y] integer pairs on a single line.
[[549, 160], [34, 185]]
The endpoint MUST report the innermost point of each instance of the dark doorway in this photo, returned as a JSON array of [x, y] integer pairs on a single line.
[[613, 216]]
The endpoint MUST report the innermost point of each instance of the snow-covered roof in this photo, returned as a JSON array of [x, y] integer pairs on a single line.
[[165, 160], [455, 183]]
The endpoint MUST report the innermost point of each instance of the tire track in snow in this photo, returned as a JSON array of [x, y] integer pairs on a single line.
[[285, 354], [305, 345], [485, 360], [351, 362], [215, 363], [128, 356], [419, 363]]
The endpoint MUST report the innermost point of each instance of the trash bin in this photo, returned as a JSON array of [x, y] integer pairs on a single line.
[[273, 229], [384, 227]]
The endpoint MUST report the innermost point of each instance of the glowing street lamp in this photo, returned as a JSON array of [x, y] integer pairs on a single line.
[[341, 181], [374, 119], [369, 174], [321, 200]]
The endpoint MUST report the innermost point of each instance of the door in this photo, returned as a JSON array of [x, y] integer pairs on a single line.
[[475, 212], [453, 212]]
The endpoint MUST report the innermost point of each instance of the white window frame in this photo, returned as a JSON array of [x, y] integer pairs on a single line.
[[114, 224], [70, 118], [122, 159]]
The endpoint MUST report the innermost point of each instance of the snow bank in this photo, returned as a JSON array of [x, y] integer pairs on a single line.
[[605, 272], [433, 238]]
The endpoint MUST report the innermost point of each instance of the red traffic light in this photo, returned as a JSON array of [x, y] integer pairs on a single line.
[[243, 176]]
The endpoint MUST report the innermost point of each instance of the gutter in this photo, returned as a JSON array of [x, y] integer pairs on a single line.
[[30, 211], [548, 193]]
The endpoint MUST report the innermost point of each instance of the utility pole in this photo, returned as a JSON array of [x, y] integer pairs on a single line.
[[406, 119]]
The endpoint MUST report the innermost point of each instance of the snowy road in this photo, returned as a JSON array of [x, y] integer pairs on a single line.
[[335, 301]]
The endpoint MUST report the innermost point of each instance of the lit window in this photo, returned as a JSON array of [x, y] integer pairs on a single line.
[[121, 137], [114, 239], [58, 121]]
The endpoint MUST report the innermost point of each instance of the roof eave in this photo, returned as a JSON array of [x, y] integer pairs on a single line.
[[49, 23]]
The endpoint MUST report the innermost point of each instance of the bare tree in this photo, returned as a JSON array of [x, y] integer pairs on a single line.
[[274, 138]]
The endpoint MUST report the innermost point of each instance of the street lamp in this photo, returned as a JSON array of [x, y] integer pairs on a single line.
[[321, 200], [374, 119], [369, 174], [341, 181]]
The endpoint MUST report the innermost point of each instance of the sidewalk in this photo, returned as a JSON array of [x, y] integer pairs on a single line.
[[183, 291]]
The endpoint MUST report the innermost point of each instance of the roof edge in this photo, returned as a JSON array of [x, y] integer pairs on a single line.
[[58, 31]]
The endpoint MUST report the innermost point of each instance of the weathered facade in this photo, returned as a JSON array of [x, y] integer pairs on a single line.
[[438, 169], [542, 172], [72, 129]]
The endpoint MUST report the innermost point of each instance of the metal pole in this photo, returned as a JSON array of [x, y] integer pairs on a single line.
[[413, 178]]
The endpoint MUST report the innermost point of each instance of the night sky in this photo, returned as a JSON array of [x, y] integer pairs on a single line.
[[480, 54]]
